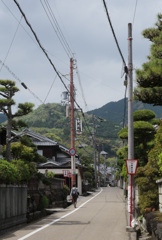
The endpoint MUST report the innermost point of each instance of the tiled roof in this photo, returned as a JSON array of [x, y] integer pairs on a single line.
[[37, 136], [57, 164], [37, 143], [40, 140]]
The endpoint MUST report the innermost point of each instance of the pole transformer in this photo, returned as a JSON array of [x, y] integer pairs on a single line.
[[73, 174]]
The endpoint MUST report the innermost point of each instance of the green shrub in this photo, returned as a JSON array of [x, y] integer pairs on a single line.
[[65, 192], [14, 172], [23, 172], [8, 172], [50, 174], [44, 202]]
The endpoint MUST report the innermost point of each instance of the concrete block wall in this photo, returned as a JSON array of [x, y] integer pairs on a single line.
[[13, 205]]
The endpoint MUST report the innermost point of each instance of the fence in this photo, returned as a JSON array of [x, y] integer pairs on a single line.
[[13, 205]]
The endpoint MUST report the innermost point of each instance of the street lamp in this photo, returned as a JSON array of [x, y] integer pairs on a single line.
[[104, 154]]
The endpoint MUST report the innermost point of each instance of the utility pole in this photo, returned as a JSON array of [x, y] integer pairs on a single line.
[[131, 194], [94, 151], [99, 180], [73, 174]]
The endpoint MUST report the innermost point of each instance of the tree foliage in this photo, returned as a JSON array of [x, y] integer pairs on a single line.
[[147, 175], [25, 150], [15, 172], [149, 78], [7, 91], [143, 134]]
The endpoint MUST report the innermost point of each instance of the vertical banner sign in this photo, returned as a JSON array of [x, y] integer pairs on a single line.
[[131, 166], [78, 126]]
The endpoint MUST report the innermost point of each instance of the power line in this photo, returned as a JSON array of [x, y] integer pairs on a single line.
[[62, 39], [44, 51], [114, 35], [134, 12], [50, 89], [77, 71], [56, 28], [17, 20], [59, 29], [22, 83], [125, 67], [11, 43]]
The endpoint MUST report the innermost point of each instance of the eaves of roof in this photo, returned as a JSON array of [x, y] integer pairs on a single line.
[[37, 143]]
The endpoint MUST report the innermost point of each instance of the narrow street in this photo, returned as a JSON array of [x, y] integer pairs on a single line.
[[100, 216]]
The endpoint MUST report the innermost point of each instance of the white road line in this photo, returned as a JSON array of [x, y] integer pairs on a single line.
[[57, 220]]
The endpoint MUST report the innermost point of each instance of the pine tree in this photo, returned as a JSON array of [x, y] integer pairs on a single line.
[[149, 78], [7, 91]]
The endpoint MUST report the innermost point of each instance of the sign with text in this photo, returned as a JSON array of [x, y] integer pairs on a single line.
[[66, 173], [131, 166], [78, 126]]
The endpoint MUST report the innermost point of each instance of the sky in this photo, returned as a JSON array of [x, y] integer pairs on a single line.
[[89, 39]]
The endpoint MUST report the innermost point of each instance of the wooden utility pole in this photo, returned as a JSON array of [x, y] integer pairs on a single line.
[[131, 194], [73, 174]]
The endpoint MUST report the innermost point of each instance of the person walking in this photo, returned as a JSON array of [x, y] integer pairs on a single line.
[[74, 193]]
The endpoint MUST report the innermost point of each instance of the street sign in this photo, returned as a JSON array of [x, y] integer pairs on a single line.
[[72, 151], [65, 173], [78, 126], [131, 166]]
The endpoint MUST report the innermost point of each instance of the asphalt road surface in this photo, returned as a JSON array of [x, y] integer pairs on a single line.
[[100, 216]]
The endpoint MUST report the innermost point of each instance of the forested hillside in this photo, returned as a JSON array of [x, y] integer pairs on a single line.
[[114, 111], [50, 120]]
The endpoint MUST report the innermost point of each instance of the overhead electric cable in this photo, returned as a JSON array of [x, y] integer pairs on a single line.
[[77, 71], [114, 35], [17, 20], [134, 12], [50, 89], [59, 29], [44, 51], [11, 43], [22, 83], [60, 39]]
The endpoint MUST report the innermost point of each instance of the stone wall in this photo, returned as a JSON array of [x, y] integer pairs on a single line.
[[13, 205]]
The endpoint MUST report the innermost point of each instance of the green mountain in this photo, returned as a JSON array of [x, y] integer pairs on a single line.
[[114, 111], [50, 120]]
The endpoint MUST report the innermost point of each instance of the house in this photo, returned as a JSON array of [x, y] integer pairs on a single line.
[[58, 158]]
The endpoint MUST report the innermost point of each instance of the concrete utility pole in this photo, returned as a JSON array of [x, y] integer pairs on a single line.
[[104, 154], [94, 150], [73, 174], [131, 194], [99, 179]]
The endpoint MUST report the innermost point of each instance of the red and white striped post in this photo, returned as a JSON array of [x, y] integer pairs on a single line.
[[131, 170]]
